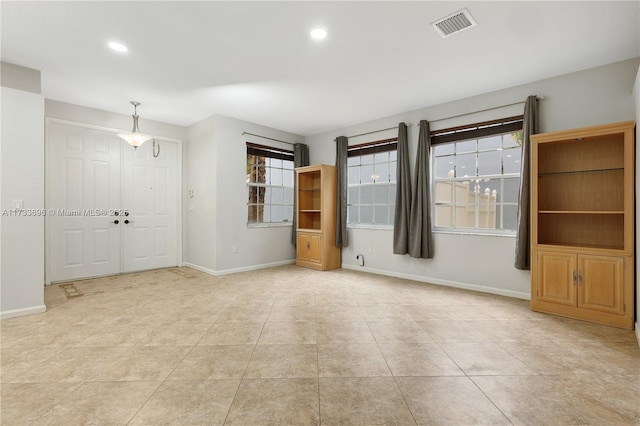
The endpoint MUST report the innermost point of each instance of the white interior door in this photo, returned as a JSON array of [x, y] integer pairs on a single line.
[[111, 208], [84, 189], [150, 198]]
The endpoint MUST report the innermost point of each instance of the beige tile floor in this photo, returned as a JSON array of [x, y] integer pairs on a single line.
[[289, 345]]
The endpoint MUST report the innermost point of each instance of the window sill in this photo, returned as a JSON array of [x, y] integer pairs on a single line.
[[476, 233], [269, 225], [375, 227]]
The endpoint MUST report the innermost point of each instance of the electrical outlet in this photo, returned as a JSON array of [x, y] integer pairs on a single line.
[[234, 249]]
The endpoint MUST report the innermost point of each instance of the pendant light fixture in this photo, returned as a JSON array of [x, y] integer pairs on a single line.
[[135, 138]]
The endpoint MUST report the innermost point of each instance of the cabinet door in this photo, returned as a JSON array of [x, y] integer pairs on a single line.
[[309, 247], [301, 246], [556, 283], [601, 283]]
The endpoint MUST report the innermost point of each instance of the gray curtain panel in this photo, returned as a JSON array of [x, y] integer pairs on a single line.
[[403, 195], [300, 159], [342, 239], [523, 240], [420, 234]]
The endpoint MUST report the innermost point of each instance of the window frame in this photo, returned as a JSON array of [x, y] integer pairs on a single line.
[[475, 132], [253, 149], [364, 149]]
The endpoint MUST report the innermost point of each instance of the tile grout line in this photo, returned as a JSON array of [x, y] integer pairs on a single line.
[[395, 380], [315, 312], [255, 346]]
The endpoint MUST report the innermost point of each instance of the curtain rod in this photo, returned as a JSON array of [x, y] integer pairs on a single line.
[[266, 137], [373, 131], [540, 98]]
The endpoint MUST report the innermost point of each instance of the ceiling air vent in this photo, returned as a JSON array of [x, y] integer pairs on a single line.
[[454, 23]]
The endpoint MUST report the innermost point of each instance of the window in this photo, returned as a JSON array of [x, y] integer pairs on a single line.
[[269, 185], [476, 171], [372, 183]]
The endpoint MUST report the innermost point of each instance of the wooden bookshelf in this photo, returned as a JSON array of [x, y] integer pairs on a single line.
[[582, 230], [316, 217]]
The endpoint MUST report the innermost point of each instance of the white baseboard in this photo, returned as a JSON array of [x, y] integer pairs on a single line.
[[438, 281], [32, 310], [200, 268], [236, 270]]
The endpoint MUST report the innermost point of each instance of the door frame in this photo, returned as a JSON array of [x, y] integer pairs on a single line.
[[48, 172]]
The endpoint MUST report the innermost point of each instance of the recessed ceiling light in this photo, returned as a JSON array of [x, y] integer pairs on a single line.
[[318, 34], [118, 47]]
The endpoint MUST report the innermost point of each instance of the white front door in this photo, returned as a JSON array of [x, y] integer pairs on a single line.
[[84, 191], [111, 208], [150, 188]]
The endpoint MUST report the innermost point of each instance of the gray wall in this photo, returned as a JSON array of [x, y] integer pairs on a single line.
[[595, 96], [20, 78], [217, 213], [22, 177]]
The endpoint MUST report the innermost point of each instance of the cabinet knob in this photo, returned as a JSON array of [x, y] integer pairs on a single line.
[[575, 277], [308, 245]]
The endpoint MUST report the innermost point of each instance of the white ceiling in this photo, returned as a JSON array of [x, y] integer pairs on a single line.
[[255, 60]]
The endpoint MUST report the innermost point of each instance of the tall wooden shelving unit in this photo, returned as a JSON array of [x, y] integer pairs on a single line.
[[316, 217], [582, 229]]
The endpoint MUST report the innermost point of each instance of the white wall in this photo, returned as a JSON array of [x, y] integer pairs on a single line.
[[22, 175], [124, 122], [217, 217], [98, 117], [596, 96], [201, 196]]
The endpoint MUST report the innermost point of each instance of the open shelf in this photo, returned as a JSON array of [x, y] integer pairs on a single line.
[[599, 191], [580, 189], [309, 191], [572, 172], [596, 229], [581, 212], [310, 219], [582, 154]]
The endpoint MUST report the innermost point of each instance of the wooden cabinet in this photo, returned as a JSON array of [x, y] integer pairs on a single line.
[[309, 247], [582, 230], [581, 280], [316, 188]]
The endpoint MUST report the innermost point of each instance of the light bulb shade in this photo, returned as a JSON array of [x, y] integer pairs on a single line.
[[135, 138]]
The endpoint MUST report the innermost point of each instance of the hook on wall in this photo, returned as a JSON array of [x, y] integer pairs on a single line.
[[155, 154]]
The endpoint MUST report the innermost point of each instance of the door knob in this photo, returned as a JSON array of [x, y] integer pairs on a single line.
[[116, 221]]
